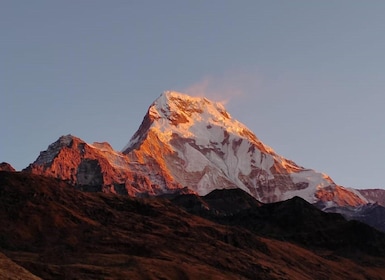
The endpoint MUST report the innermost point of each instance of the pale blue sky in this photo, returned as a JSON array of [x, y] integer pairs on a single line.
[[306, 76]]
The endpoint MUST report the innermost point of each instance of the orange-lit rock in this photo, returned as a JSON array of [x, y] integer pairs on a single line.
[[4, 166], [341, 196], [190, 143], [97, 167]]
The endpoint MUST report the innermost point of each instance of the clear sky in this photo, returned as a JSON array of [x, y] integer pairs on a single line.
[[307, 77]]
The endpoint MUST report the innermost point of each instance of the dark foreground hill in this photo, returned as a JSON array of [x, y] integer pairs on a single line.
[[293, 220], [57, 232]]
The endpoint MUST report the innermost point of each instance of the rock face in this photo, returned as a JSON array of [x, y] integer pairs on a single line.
[[189, 143], [94, 167], [374, 196], [4, 166], [79, 163]]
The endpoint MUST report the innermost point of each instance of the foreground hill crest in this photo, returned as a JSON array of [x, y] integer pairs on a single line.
[[57, 232], [189, 144]]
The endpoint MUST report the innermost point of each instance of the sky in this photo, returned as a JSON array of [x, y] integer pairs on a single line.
[[307, 77]]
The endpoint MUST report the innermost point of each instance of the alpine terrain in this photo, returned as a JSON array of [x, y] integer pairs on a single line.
[[189, 144], [193, 195]]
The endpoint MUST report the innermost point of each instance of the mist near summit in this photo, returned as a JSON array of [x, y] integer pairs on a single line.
[[230, 85]]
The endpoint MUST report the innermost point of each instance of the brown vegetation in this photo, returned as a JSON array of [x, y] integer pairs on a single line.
[[57, 232]]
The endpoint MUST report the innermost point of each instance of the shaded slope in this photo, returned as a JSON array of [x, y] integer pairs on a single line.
[[293, 220], [374, 195], [371, 214], [12, 271], [217, 203], [57, 232]]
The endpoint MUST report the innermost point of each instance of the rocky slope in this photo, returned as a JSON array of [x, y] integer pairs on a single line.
[[292, 220], [372, 214], [9, 270], [58, 232], [97, 167], [189, 144], [4, 166], [374, 196]]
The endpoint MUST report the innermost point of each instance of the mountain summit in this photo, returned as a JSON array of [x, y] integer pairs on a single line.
[[203, 149], [190, 144]]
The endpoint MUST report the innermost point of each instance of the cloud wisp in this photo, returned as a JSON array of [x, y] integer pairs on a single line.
[[224, 88]]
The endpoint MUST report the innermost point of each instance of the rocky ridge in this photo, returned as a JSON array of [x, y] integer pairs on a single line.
[[4, 166]]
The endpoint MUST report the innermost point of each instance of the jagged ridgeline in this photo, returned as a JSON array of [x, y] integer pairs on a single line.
[[189, 144]]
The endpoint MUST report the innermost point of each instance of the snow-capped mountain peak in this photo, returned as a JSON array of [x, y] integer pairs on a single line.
[[180, 108], [204, 149], [190, 143], [185, 112], [195, 117]]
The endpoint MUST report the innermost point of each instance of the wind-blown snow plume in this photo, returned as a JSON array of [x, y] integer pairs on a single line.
[[231, 85]]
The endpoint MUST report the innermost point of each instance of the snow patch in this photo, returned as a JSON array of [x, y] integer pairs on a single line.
[[195, 160], [314, 179]]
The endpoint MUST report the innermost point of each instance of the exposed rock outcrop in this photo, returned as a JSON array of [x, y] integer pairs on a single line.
[[374, 195], [4, 166]]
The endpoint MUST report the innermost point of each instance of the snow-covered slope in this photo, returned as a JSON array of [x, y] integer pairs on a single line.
[[199, 145], [189, 143]]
